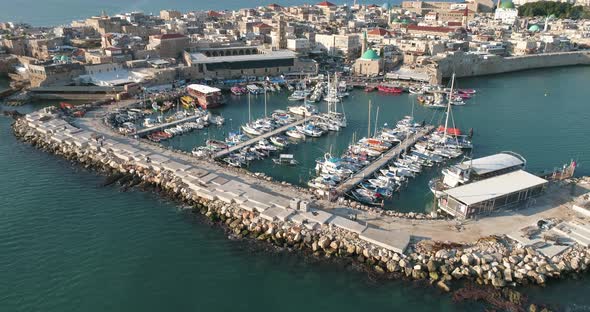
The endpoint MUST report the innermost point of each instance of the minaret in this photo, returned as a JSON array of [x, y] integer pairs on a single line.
[[364, 43], [465, 14], [546, 23]]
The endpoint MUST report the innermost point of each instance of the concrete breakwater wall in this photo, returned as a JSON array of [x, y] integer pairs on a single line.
[[492, 260], [470, 65]]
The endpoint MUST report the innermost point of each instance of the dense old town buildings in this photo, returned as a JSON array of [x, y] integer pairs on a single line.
[[364, 40]]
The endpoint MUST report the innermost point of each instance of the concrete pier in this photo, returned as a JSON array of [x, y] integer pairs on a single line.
[[381, 161], [288, 216], [267, 135]]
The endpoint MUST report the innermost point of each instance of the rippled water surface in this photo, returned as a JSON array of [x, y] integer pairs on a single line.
[[68, 244]]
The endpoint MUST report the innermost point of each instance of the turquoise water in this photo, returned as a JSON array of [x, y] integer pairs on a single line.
[[68, 244], [508, 113], [60, 12]]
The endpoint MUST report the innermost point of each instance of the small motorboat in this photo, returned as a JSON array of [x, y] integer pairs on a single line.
[[279, 141], [285, 159]]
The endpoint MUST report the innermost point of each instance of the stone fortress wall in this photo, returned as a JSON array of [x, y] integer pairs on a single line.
[[471, 65]]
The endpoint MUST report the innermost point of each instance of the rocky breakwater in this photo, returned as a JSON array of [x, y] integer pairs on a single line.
[[496, 260]]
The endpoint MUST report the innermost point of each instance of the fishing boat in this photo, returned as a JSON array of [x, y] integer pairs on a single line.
[[235, 138], [238, 90], [298, 95], [265, 145], [390, 89], [219, 145], [367, 197], [187, 101], [254, 89], [234, 161], [310, 130], [303, 110], [416, 90], [285, 159], [279, 141], [205, 96], [250, 129], [293, 133], [467, 91], [216, 119]]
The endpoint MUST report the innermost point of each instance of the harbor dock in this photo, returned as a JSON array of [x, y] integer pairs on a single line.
[[289, 216], [162, 126], [267, 135], [369, 170]]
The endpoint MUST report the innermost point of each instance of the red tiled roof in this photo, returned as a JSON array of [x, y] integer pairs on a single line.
[[430, 28], [262, 25], [326, 4], [169, 36], [214, 14], [462, 11], [454, 24], [113, 49], [378, 32]]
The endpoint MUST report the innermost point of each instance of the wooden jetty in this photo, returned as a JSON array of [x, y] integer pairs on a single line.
[[369, 170], [251, 141]]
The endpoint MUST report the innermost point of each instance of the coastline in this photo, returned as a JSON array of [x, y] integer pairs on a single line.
[[493, 260]]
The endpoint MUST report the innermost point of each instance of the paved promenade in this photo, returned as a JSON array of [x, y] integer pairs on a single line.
[[275, 201]]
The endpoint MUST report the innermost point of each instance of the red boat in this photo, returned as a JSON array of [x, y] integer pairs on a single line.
[[65, 105], [390, 89], [450, 131], [205, 96], [466, 91]]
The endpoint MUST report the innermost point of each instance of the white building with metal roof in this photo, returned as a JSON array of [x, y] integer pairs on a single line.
[[491, 194]]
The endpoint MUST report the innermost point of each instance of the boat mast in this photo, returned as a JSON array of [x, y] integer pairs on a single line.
[[376, 121], [369, 127], [249, 110], [448, 109], [264, 102]]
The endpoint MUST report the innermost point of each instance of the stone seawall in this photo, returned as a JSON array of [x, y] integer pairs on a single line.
[[494, 260], [470, 65]]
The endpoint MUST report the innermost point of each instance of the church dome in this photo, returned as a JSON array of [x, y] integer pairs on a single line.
[[535, 28], [370, 55], [507, 4]]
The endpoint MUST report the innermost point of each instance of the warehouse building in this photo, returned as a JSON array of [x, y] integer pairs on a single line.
[[491, 194]]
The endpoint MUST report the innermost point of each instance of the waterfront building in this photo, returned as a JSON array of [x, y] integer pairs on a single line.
[[169, 45], [436, 31], [53, 73], [491, 194], [348, 45], [170, 15], [299, 45], [235, 62]]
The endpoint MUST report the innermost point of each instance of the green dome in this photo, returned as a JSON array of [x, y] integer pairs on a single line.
[[370, 55], [507, 4], [535, 28]]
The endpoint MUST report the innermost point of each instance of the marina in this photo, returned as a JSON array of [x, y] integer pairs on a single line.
[[439, 229], [381, 161], [254, 140]]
